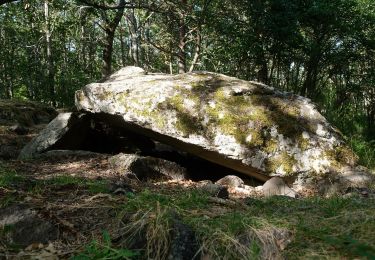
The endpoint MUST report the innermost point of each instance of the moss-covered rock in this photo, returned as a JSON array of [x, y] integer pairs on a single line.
[[243, 125]]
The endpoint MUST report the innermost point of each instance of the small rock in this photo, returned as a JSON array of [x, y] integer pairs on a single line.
[[184, 244], [19, 129], [215, 190], [272, 241], [349, 195], [231, 181], [26, 227], [120, 188], [277, 186], [204, 182], [147, 168], [364, 192], [8, 152], [246, 190]]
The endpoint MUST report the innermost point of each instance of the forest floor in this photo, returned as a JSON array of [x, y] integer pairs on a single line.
[[84, 210]]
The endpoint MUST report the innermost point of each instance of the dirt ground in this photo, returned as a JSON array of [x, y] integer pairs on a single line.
[[79, 195]]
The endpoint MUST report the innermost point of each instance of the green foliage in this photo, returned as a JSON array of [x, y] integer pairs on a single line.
[[365, 150], [93, 186], [9, 178], [104, 250], [180, 199]]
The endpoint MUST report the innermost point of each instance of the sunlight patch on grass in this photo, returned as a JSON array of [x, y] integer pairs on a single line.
[[318, 227]]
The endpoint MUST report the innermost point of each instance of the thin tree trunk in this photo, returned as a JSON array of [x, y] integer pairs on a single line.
[[262, 74], [134, 36], [109, 29], [32, 61], [107, 53], [182, 39], [83, 52], [197, 51], [50, 66], [91, 55], [123, 48], [171, 64], [309, 85]]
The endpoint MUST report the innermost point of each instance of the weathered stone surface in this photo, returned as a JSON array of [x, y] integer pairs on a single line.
[[276, 186], [25, 227], [48, 136], [19, 129], [147, 168], [184, 244], [271, 241], [8, 151], [246, 126], [214, 190], [231, 181]]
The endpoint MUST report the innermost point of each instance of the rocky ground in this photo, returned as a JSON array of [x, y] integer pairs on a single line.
[[77, 205]]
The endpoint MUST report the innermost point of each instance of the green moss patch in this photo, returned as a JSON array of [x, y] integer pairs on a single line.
[[341, 156], [284, 160], [187, 122]]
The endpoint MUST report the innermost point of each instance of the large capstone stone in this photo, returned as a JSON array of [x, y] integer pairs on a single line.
[[247, 126]]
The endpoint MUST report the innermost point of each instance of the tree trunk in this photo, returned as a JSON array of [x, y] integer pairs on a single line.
[[107, 53], [109, 29], [197, 51], [262, 74], [309, 85], [134, 36], [370, 114], [50, 66], [123, 48], [182, 39]]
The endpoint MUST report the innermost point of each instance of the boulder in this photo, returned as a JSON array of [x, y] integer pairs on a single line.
[[246, 126], [49, 136], [184, 244], [25, 227], [19, 129], [8, 151], [277, 186], [214, 190], [146, 167], [231, 181]]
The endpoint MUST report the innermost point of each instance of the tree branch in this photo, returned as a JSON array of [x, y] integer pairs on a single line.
[[120, 5]]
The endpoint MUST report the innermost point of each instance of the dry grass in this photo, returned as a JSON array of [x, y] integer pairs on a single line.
[[254, 228]]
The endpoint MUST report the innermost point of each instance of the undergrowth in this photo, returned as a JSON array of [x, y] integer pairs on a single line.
[[322, 228], [365, 150], [104, 250], [12, 181]]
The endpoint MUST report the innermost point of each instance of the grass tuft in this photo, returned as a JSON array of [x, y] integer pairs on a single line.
[[104, 250]]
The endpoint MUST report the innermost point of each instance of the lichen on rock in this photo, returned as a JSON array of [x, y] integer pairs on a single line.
[[243, 125]]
